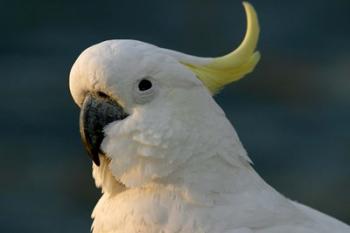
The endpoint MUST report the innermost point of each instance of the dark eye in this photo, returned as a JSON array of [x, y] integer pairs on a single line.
[[144, 85]]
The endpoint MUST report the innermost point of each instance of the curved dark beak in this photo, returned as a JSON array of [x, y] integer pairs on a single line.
[[96, 112]]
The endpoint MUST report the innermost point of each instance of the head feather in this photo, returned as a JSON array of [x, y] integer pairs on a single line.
[[215, 73], [233, 66]]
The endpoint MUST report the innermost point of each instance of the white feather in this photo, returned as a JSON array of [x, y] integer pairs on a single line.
[[176, 164]]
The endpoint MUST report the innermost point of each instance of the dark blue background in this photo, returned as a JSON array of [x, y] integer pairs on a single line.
[[292, 113]]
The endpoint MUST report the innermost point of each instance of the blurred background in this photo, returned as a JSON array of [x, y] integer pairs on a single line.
[[292, 113]]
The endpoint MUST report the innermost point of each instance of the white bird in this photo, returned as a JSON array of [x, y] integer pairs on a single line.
[[166, 157]]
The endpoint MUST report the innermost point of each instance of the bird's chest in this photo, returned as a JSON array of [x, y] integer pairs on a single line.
[[150, 213]]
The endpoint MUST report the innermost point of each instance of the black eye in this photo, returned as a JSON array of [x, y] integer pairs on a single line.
[[144, 85]]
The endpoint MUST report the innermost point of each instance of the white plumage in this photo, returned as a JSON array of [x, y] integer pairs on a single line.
[[176, 164]]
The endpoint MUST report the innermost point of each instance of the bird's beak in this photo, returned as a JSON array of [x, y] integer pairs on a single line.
[[96, 112]]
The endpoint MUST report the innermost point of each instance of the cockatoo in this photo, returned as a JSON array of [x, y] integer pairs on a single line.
[[165, 156]]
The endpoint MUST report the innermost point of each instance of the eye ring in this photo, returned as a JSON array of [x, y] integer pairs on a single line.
[[145, 89], [144, 85]]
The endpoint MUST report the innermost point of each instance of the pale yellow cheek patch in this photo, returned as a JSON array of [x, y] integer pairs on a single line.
[[229, 68]]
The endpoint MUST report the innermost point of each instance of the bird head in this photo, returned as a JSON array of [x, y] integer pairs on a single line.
[[150, 110]]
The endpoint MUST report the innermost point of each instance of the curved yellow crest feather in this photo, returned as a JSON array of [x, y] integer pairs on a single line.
[[221, 71]]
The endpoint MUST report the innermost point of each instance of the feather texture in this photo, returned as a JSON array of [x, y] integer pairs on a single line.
[[176, 164]]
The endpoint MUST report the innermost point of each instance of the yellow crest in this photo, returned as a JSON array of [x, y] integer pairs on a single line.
[[215, 73]]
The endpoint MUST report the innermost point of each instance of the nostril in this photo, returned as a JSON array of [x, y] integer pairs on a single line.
[[102, 94]]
